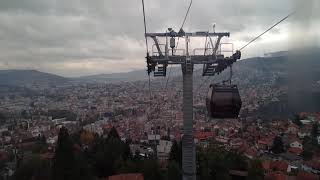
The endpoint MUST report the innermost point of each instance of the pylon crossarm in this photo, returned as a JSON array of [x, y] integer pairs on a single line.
[[189, 34]]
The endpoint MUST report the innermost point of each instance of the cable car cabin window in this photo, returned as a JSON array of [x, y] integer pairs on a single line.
[[223, 101]]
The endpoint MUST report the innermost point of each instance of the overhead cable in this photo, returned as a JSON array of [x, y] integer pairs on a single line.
[[266, 31]]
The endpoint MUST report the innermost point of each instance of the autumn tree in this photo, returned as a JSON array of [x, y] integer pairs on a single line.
[[86, 137]]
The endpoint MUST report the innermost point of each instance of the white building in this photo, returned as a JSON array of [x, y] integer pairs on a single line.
[[94, 128], [303, 134], [296, 144], [52, 140], [4, 129], [153, 137], [163, 149]]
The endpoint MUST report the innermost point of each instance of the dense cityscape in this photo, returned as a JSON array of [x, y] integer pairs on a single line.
[[150, 122], [159, 90]]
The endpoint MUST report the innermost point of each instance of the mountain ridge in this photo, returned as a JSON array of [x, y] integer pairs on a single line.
[[14, 77], [265, 64]]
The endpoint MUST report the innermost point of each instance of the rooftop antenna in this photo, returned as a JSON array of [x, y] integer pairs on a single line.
[[214, 27]]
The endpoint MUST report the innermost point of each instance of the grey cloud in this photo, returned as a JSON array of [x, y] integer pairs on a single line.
[[50, 32]]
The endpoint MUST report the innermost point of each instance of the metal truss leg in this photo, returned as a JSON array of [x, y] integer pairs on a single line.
[[188, 147]]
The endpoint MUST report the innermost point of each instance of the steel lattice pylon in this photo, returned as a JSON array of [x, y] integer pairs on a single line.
[[213, 63]]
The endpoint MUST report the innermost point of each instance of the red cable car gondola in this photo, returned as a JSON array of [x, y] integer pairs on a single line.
[[223, 101]]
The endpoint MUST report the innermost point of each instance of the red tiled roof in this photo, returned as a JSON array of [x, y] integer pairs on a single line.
[[266, 165], [47, 156], [265, 141], [203, 135], [77, 147], [316, 156], [126, 177], [313, 164], [251, 152], [26, 145], [295, 150], [222, 140], [276, 176], [279, 165], [293, 125], [293, 139], [4, 156], [238, 173], [306, 176], [262, 142]]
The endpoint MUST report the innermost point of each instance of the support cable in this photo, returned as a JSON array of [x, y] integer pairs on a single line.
[[250, 43], [184, 21], [146, 40], [202, 83], [267, 31], [168, 78], [185, 17], [145, 26], [181, 27], [147, 49]]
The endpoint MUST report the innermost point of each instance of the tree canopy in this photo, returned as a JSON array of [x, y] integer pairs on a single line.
[[87, 156], [277, 146]]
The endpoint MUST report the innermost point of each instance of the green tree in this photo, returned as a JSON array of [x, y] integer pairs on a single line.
[[311, 144], [64, 159], [255, 171], [69, 162], [100, 158], [24, 114], [296, 120], [307, 154], [278, 146], [176, 153], [237, 161], [218, 164], [151, 170], [215, 163], [33, 168], [203, 171], [174, 171], [126, 151], [130, 167], [314, 132], [108, 155], [113, 133], [3, 118], [41, 145], [83, 169]]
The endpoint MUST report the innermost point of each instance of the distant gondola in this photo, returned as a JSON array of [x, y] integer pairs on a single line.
[[223, 101]]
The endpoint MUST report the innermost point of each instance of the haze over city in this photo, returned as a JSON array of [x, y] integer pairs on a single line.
[[159, 90]]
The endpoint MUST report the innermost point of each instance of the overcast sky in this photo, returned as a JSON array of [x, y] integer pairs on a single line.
[[84, 37]]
